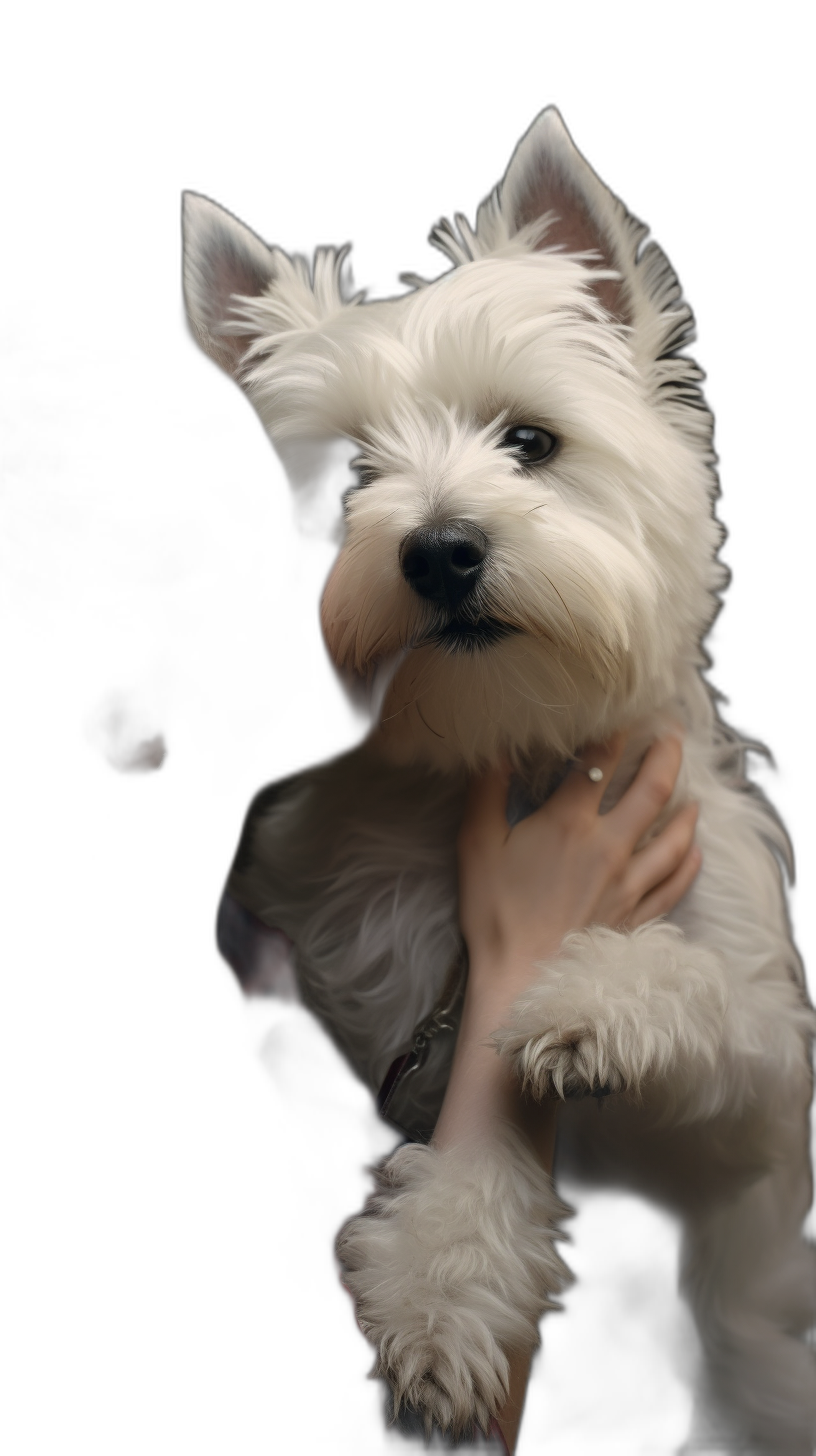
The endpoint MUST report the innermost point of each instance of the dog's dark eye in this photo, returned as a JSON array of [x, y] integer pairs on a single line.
[[530, 443], [321, 508], [340, 481], [365, 475]]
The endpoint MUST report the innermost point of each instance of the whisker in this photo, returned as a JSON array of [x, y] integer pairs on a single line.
[[567, 610], [425, 721], [387, 517]]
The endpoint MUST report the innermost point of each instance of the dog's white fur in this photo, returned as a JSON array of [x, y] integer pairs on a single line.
[[603, 562], [462, 1244]]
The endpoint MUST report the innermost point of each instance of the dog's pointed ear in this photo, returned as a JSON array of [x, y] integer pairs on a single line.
[[223, 260], [548, 175]]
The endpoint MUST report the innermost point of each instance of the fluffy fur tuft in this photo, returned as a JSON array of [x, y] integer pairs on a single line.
[[452, 1265], [613, 1011]]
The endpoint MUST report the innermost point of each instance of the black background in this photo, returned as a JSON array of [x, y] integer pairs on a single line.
[[182, 1164]]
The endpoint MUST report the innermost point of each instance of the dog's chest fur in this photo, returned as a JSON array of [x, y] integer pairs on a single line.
[[355, 862]]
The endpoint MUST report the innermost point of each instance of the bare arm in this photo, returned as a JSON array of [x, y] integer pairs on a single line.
[[521, 891]]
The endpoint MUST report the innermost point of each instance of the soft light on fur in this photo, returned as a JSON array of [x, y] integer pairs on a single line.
[[599, 581]]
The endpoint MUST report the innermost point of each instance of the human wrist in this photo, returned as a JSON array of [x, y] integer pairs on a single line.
[[502, 973], [481, 1090]]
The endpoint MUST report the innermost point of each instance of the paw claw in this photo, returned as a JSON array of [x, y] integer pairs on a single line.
[[453, 1264], [548, 1066], [613, 1011]]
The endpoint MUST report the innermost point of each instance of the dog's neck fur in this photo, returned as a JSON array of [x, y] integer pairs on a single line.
[[541, 765]]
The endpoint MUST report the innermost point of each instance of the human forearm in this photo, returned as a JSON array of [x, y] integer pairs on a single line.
[[482, 1093], [482, 1090]]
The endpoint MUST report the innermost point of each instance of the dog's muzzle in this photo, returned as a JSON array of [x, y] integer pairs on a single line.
[[444, 565]]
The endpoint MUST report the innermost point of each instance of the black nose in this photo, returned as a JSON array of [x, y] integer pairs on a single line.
[[443, 563]]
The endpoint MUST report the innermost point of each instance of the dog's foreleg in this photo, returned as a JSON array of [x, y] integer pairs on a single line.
[[613, 1011], [617, 1012], [452, 1264]]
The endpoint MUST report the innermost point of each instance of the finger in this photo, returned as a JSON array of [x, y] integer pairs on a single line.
[[578, 789], [664, 897], [661, 856], [486, 804], [649, 792]]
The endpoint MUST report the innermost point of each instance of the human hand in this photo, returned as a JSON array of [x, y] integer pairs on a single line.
[[521, 890]]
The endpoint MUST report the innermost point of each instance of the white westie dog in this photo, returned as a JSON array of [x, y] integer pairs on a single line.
[[529, 563]]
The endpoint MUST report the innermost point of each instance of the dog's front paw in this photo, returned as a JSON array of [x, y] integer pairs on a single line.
[[452, 1264], [613, 1011], [570, 1060]]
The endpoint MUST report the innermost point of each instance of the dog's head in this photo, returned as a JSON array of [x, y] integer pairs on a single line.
[[531, 540]]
